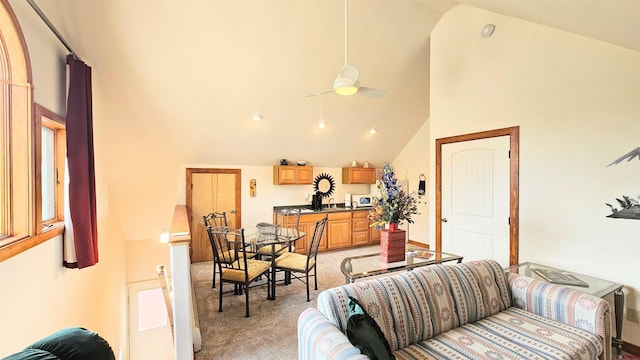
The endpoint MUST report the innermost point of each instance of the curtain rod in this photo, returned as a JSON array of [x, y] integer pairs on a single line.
[[53, 29]]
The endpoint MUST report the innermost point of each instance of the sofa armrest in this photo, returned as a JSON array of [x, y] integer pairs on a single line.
[[73, 343], [563, 304], [319, 338]]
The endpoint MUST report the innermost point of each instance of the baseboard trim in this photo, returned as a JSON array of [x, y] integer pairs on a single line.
[[423, 245], [630, 348]]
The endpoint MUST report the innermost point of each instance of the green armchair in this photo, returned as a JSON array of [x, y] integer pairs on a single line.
[[74, 343]]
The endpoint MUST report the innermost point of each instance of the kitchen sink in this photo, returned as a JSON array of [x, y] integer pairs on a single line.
[[335, 209]]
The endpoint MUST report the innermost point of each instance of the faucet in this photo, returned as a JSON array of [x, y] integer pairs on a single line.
[[329, 205]]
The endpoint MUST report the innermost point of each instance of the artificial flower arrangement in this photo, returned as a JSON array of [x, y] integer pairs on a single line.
[[393, 204]]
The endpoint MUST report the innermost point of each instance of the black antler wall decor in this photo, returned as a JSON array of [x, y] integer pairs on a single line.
[[629, 206], [629, 156]]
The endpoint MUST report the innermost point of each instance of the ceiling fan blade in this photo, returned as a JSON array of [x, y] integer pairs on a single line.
[[371, 92], [320, 93]]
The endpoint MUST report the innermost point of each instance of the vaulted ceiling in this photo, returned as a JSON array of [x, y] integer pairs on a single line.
[[186, 76]]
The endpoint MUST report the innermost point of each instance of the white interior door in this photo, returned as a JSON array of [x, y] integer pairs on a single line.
[[149, 328], [475, 199]]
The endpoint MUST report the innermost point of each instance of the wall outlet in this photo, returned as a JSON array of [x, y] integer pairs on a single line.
[[633, 315]]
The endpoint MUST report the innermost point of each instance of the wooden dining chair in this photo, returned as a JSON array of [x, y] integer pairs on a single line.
[[240, 269], [294, 263]]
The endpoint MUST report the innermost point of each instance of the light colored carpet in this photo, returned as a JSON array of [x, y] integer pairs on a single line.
[[271, 331]]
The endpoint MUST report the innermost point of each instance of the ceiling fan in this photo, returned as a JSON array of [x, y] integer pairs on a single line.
[[347, 83]]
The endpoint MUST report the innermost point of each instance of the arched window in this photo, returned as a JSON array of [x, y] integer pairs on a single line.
[[19, 180]]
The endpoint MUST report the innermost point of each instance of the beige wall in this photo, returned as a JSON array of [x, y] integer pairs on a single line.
[[260, 208], [39, 296], [576, 102], [413, 161]]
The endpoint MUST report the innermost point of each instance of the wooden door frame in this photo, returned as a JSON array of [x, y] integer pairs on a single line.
[[514, 184], [238, 184]]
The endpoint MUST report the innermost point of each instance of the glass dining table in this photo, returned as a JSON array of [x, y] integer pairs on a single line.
[[274, 237]]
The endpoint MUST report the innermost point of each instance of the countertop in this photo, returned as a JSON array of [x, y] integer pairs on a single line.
[[307, 209]]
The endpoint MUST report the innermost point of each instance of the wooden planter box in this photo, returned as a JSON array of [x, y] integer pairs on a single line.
[[392, 245]]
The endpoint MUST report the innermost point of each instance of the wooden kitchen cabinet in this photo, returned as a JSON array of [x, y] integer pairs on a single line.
[[343, 230], [292, 175], [356, 175], [305, 174], [339, 230], [374, 236], [360, 228], [307, 225]]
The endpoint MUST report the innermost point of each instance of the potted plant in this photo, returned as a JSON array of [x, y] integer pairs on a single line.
[[392, 205]]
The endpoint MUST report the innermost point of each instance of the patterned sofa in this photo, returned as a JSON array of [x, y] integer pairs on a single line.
[[470, 310]]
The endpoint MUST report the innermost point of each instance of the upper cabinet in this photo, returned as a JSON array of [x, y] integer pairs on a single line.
[[357, 175], [292, 174]]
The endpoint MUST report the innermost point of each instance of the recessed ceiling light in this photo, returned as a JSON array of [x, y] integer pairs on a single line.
[[256, 116], [322, 124], [373, 130]]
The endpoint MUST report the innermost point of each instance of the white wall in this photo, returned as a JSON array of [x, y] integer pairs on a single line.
[[576, 102], [39, 296]]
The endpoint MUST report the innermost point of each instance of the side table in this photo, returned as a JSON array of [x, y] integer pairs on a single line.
[[597, 287]]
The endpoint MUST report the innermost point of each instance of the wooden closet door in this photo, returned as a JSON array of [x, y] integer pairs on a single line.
[[211, 190]]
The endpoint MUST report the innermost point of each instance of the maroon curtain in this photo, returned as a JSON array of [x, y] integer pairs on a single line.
[[82, 185]]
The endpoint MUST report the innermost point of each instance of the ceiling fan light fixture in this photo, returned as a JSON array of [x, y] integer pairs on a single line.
[[346, 90], [344, 87]]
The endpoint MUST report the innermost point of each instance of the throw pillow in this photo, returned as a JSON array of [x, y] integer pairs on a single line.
[[365, 334]]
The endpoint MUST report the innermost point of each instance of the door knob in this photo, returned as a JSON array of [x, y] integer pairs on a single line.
[[232, 211], [444, 220]]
